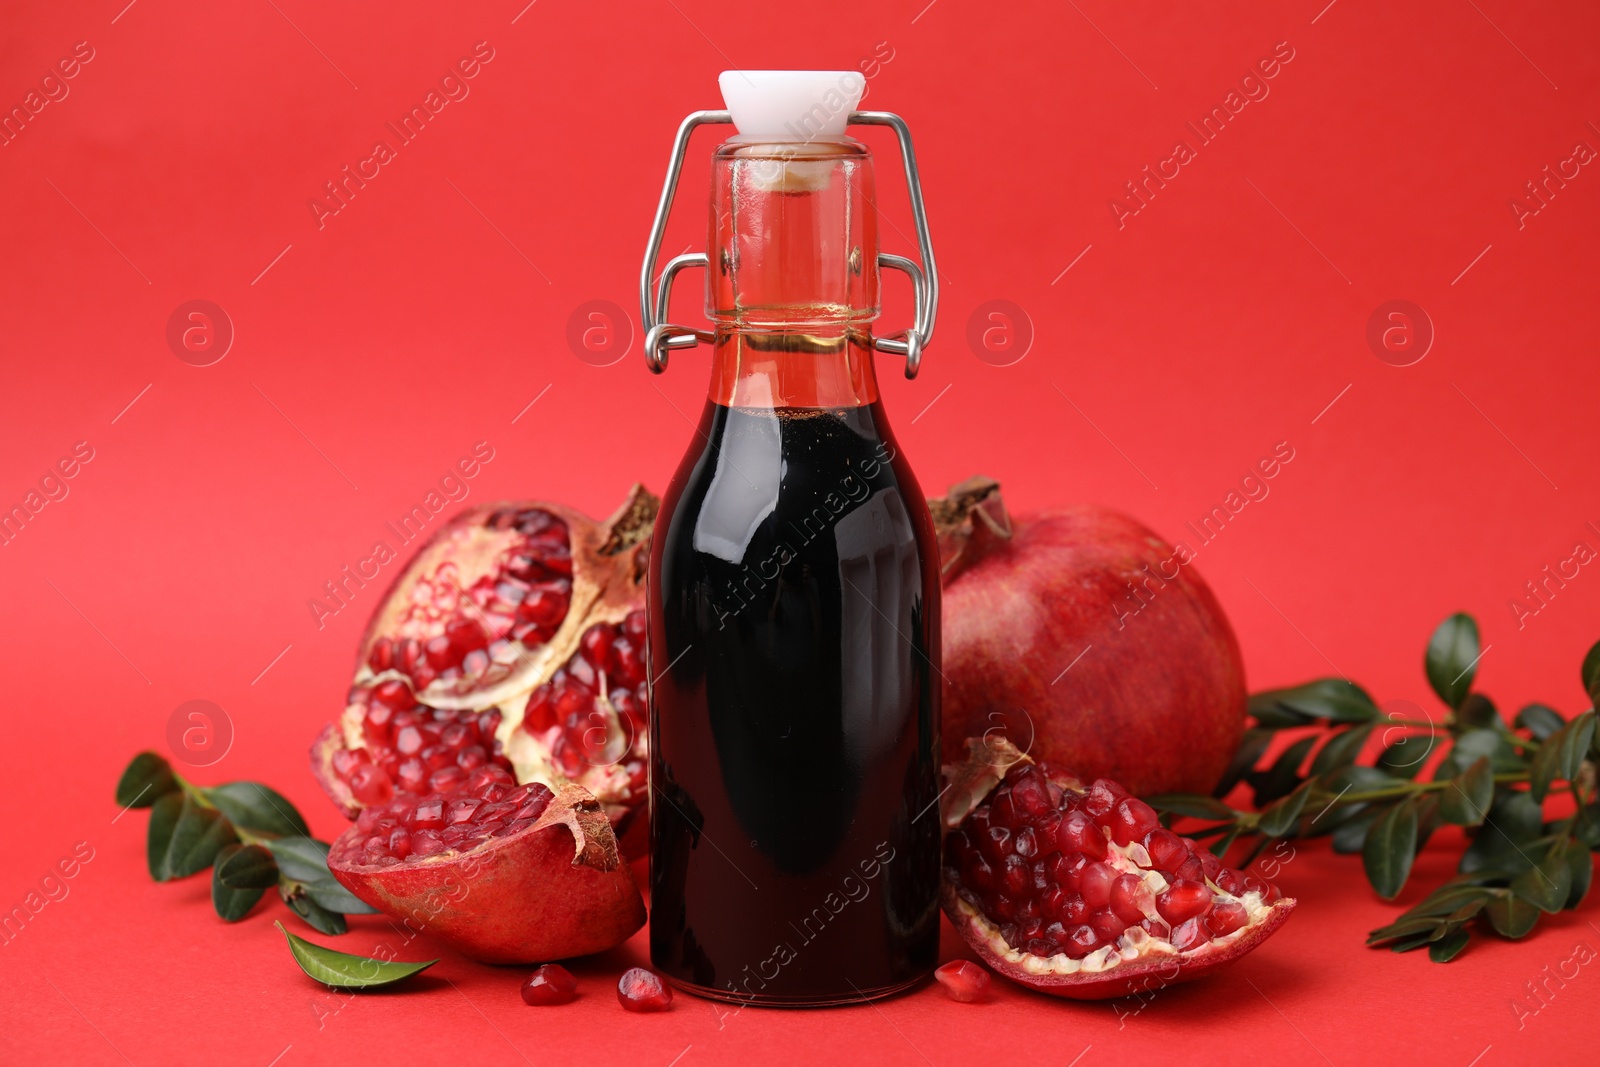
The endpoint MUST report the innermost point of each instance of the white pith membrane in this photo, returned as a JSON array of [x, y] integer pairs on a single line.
[[1136, 942]]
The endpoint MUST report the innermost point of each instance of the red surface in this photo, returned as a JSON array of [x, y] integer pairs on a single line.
[[1224, 317]]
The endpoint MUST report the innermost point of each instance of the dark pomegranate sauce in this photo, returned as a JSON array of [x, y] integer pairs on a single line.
[[794, 631]]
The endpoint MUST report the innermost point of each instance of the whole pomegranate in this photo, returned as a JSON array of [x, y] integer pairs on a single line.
[[1078, 891], [1084, 639], [514, 639]]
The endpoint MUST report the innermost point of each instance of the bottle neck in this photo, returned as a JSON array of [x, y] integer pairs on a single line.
[[792, 288], [753, 368]]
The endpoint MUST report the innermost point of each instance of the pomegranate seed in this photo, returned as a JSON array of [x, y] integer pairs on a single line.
[[461, 810], [1102, 797], [411, 775], [426, 843], [1183, 900], [447, 779], [1166, 849], [1131, 820], [1030, 796], [369, 785], [1081, 940], [1078, 833], [427, 815], [1106, 924], [1127, 894], [1225, 917], [994, 843], [1190, 934], [1095, 885], [408, 742], [550, 984], [1230, 881], [643, 991]]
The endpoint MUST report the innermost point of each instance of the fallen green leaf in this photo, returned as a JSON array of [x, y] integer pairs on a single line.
[[345, 971]]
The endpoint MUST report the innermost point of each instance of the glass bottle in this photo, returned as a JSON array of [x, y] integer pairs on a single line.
[[794, 596]]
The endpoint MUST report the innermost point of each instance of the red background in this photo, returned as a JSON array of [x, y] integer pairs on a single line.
[[370, 353]]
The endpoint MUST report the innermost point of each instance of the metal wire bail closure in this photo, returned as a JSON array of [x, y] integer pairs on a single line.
[[661, 337]]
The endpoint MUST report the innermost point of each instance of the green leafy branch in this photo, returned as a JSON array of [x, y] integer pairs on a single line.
[[249, 834], [1489, 775]]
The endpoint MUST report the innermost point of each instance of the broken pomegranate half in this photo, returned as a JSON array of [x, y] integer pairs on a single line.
[[512, 611], [1080, 891], [506, 874]]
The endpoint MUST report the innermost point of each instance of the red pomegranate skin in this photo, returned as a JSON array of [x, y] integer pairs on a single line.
[[1157, 702]]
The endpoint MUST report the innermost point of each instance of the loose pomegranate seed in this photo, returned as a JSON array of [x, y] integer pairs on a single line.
[[550, 984], [1065, 873], [644, 991], [963, 980]]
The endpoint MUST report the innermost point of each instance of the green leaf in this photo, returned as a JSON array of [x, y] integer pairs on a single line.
[[200, 833], [1561, 755], [1390, 847], [316, 916], [1191, 805], [1547, 884], [232, 904], [1409, 943], [1511, 916], [1407, 926], [1358, 779], [163, 817], [1220, 846], [1281, 816], [345, 971], [1465, 801], [336, 898], [1449, 946], [1580, 864], [1477, 712], [248, 867], [1351, 836], [1452, 658], [1330, 699], [303, 865], [1406, 756], [147, 779], [1341, 749], [1448, 902], [1473, 744], [1576, 746], [1540, 721], [1515, 821], [254, 807], [1591, 673], [1284, 775], [301, 859], [1251, 747]]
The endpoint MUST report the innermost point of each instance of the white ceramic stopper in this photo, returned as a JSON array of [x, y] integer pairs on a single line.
[[796, 106]]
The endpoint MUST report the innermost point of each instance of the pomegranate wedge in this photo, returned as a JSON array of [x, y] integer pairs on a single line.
[[1079, 891]]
